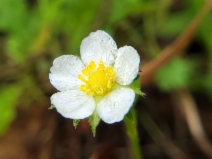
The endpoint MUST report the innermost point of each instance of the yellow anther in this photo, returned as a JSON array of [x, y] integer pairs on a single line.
[[85, 72], [89, 68], [82, 78], [100, 91], [93, 64], [83, 88], [109, 70], [89, 92], [101, 66], [109, 84]]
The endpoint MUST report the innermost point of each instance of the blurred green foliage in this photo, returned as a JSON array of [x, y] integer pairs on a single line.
[[8, 97], [183, 74], [34, 32], [175, 75]]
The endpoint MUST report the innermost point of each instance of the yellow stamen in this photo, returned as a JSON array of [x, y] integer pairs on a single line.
[[88, 92], [82, 78], [109, 84], [85, 72], [99, 80], [109, 70], [83, 88]]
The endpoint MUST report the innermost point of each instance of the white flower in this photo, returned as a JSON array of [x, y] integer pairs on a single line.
[[97, 82]]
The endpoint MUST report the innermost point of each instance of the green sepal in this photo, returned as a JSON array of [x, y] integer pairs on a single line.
[[135, 86], [137, 77], [75, 123], [137, 90], [52, 107], [129, 115], [94, 120]]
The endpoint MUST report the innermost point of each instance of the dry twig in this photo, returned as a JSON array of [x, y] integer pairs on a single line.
[[176, 48], [187, 106]]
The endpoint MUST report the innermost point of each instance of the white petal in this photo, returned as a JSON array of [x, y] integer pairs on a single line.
[[115, 105], [64, 72], [73, 104], [62, 82], [98, 46], [126, 65]]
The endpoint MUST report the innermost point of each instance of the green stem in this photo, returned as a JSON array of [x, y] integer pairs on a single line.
[[131, 127]]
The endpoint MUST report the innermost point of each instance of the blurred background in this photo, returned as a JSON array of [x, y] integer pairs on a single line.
[[174, 40]]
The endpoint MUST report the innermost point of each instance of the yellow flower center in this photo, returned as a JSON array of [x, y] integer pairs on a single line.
[[98, 81]]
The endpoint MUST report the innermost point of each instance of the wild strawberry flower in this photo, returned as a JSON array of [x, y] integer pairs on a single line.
[[97, 84]]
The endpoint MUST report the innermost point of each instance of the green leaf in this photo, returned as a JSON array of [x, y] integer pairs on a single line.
[[14, 17], [175, 24], [8, 97], [94, 120], [175, 75], [131, 7], [78, 17]]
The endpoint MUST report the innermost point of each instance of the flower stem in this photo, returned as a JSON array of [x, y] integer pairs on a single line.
[[131, 127]]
